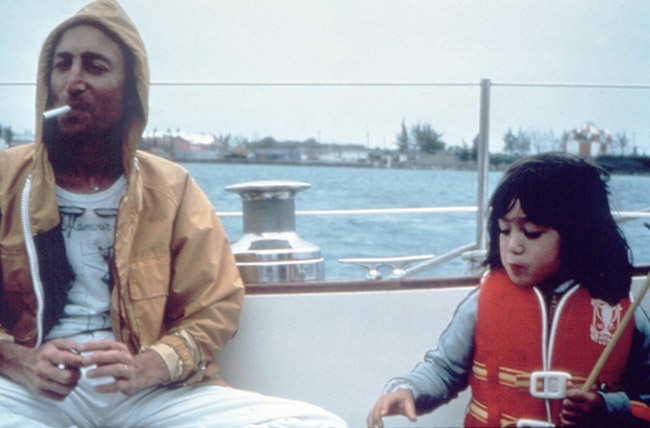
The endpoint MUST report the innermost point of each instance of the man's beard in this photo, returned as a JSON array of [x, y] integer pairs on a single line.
[[67, 152]]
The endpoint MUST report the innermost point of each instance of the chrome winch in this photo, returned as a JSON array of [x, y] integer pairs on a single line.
[[270, 250]]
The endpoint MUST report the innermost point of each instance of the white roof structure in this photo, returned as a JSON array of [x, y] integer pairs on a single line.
[[197, 138]]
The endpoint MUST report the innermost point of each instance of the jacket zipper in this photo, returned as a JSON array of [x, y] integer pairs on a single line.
[[32, 257]]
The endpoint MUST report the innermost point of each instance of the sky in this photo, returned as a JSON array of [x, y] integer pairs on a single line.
[[367, 41]]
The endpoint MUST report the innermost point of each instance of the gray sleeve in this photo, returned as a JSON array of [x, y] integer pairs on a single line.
[[637, 377], [444, 373]]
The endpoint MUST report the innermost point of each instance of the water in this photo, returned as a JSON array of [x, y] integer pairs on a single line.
[[394, 234]]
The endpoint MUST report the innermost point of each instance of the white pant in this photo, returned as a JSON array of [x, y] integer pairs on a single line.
[[202, 406]]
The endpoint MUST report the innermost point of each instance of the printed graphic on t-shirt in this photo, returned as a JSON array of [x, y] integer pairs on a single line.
[[89, 233], [88, 224]]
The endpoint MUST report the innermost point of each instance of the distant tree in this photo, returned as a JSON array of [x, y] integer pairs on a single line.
[[524, 143], [426, 138], [474, 152], [541, 141], [155, 139], [403, 139], [622, 141], [466, 153], [516, 145], [267, 143], [8, 135], [224, 139], [563, 140], [463, 152], [240, 141], [509, 142]]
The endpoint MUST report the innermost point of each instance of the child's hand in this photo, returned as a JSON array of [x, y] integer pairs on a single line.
[[580, 408], [400, 402]]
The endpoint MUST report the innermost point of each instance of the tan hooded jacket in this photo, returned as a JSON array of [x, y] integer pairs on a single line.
[[176, 287]]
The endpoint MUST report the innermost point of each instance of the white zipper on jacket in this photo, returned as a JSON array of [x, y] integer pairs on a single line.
[[32, 257]]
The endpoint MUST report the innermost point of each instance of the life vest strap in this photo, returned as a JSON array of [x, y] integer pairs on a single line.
[[513, 378], [479, 411]]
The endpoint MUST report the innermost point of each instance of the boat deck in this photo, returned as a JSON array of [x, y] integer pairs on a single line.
[[335, 344]]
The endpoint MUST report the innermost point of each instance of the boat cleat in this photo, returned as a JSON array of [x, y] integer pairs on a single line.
[[396, 263]]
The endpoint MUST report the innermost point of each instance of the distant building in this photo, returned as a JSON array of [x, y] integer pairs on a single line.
[[587, 141], [344, 155], [239, 152], [196, 147], [278, 154]]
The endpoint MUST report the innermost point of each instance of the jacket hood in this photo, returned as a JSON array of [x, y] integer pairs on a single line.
[[108, 15]]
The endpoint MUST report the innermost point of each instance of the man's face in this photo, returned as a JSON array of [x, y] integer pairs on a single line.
[[88, 74]]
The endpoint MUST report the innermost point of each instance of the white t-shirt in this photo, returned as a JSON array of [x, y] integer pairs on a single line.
[[88, 223]]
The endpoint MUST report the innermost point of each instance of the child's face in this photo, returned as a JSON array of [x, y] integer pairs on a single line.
[[530, 253]]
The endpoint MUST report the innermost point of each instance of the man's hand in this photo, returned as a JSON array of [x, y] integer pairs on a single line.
[[131, 374], [51, 370], [580, 408], [400, 402]]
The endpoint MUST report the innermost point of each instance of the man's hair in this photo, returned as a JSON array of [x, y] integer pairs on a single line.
[[60, 154], [569, 194], [132, 105]]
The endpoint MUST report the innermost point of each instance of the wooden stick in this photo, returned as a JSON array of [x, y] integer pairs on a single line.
[[617, 335]]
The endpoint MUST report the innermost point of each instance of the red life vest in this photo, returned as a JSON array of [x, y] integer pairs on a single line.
[[513, 339]]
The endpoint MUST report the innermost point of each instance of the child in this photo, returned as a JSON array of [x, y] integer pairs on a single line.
[[557, 287]]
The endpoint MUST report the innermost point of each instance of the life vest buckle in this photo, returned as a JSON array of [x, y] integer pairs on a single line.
[[553, 384]]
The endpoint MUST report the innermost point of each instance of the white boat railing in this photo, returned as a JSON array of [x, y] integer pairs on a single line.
[[423, 263], [623, 216], [368, 211], [379, 83], [619, 216]]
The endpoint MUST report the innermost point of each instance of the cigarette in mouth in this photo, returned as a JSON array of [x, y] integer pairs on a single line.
[[56, 112]]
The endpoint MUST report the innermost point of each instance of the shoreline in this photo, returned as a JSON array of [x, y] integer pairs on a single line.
[[613, 164]]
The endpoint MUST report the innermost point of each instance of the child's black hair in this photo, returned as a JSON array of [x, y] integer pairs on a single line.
[[569, 194]]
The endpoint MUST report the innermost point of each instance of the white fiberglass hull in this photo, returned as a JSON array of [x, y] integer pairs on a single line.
[[337, 349]]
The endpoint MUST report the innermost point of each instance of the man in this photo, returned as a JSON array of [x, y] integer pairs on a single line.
[[118, 284]]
